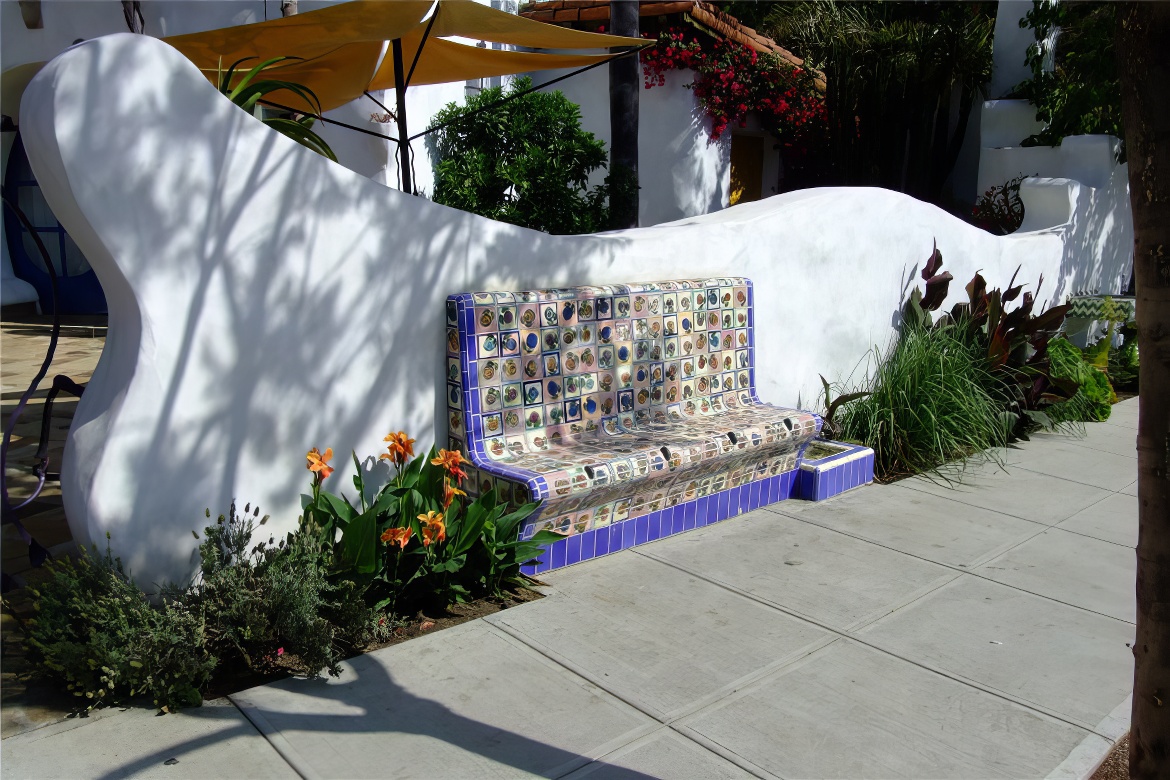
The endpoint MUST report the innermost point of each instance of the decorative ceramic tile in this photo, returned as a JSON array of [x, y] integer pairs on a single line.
[[829, 468], [618, 403]]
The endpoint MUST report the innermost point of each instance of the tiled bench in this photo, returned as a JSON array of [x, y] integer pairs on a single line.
[[630, 411]]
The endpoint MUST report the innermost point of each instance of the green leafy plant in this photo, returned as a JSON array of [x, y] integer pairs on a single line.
[[525, 161], [95, 632], [260, 601], [1081, 94], [1013, 342], [413, 542], [732, 80], [1123, 360], [248, 90], [929, 401], [1094, 396]]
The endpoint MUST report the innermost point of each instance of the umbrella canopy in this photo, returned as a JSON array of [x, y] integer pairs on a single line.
[[340, 50]]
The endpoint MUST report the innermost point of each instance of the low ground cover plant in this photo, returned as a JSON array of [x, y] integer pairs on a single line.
[[303, 603]]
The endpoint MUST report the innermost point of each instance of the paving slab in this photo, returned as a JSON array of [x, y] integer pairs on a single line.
[[922, 524], [850, 711], [1130, 489], [827, 577], [657, 636], [1124, 414], [468, 701], [1017, 492], [1073, 569], [1063, 659], [665, 754], [1097, 436], [1072, 460], [214, 740], [1113, 519]]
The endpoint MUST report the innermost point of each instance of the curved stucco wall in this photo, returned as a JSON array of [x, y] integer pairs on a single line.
[[264, 300]]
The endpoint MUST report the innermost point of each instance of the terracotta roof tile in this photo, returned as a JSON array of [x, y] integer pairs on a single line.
[[705, 14]]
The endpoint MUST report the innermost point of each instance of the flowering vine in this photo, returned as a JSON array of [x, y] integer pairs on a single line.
[[733, 80]]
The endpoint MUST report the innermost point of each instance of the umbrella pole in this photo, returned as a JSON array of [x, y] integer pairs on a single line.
[[400, 96]]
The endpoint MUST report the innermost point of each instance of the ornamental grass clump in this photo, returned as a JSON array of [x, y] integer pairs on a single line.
[[930, 403]]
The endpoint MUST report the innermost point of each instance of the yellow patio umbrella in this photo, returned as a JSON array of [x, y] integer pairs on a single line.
[[339, 52]]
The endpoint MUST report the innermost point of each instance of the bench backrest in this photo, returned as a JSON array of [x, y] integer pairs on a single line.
[[528, 371]]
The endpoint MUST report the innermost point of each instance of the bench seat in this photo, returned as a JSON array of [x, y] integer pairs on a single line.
[[617, 405]]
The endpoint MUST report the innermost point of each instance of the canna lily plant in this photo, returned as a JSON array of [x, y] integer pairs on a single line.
[[415, 540]]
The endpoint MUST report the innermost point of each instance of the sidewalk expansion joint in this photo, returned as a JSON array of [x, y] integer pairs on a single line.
[[964, 570], [860, 639]]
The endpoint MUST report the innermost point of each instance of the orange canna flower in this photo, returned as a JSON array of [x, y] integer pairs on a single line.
[[434, 529], [451, 460], [318, 463], [398, 536], [449, 493], [401, 448]]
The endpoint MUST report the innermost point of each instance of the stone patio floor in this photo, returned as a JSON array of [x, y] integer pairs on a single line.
[[904, 630]]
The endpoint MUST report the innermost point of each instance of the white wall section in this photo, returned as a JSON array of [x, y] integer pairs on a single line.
[[264, 300]]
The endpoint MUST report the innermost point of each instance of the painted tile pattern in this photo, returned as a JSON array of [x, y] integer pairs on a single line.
[[616, 403], [849, 466]]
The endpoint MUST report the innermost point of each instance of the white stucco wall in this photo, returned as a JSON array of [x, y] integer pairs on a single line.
[[1079, 189], [1010, 46], [264, 300], [682, 174]]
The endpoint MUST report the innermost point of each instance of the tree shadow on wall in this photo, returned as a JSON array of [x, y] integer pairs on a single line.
[[280, 301]]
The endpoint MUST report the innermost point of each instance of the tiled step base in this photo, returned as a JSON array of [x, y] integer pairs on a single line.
[[685, 516], [843, 466]]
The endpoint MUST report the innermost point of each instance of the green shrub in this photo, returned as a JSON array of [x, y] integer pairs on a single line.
[[930, 402], [1094, 396], [259, 600], [1124, 367], [526, 162], [1081, 94], [96, 632]]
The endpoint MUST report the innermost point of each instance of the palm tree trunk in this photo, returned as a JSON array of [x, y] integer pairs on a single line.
[[1144, 72], [623, 121]]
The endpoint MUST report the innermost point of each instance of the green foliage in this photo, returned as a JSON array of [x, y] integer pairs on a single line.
[[413, 543], [1082, 93], [1123, 361], [888, 68], [980, 376], [930, 401], [526, 162], [1094, 396], [1013, 343], [247, 91], [96, 633], [272, 597]]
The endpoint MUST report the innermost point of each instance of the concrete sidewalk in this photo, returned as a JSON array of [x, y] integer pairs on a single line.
[[908, 630]]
